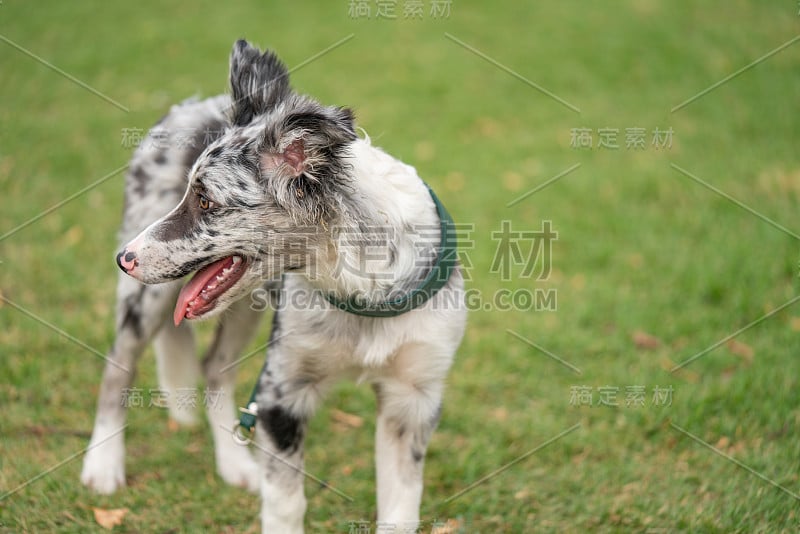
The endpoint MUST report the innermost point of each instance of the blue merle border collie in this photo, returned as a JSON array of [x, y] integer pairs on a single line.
[[275, 186]]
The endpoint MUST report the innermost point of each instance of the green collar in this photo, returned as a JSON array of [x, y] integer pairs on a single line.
[[436, 279], [438, 276]]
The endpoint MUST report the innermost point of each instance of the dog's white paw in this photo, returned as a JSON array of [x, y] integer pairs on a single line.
[[181, 417], [237, 467], [104, 469], [282, 511]]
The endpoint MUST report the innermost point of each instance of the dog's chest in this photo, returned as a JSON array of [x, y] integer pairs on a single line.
[[345, 340], [313, 328]]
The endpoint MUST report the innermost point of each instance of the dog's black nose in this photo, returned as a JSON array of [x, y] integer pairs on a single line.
[[127, 261]]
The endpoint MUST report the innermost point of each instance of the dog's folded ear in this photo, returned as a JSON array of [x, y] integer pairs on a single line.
[[258, 82], [303, 159]]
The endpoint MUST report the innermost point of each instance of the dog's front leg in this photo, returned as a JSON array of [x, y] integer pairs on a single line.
[[235, 464], [140, 312], [400, 446], [279, 443], [283, 408], [408, 413]]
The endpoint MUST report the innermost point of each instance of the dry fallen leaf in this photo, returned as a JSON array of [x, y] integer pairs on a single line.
[[741, 349], [635, 260], [347, 418], [522, 494], [195, 447], [454, 181], [643, 340], [684, 372], [451, 526], [488, 126], [578, 281], [424, 151], [513, 181], [501, 414], [109, 518], [73, 236]]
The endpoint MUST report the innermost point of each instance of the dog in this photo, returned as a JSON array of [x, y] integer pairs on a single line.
[[278, 191]]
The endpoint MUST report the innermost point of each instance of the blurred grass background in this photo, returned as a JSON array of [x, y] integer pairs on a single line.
[[650, 267]]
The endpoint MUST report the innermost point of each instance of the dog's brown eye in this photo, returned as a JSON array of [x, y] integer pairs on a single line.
[[204, 202]]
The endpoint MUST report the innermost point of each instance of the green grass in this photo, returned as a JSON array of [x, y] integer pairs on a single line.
[[641, 248]]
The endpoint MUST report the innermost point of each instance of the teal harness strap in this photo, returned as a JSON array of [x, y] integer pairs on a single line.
[[248, 417], [446, 261], [438, 276], [247, 421]]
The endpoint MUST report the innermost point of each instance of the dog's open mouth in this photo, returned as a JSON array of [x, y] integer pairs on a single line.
[[200, 295]]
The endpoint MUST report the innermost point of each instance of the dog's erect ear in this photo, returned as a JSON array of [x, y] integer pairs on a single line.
[[258, 82], [303, 159]]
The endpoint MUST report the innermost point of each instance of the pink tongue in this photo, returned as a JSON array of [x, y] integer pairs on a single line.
[[195, 286]]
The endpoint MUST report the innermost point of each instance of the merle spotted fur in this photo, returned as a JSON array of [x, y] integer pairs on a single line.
[[270, 185]]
